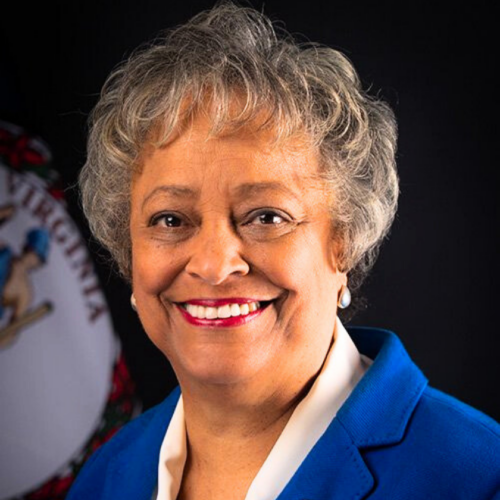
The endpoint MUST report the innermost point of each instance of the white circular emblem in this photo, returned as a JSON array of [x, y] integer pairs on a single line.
[[57, 346]]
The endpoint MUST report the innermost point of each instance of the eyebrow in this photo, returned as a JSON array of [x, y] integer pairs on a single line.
[[245, 190], [253, 188], [175, 190]]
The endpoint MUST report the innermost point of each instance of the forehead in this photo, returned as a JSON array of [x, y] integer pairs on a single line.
[[249, 153]]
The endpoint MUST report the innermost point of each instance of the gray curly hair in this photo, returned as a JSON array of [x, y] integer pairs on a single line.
[[233, 52]]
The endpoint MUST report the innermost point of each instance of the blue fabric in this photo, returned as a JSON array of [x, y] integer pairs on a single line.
[[38, 240], [395, 438], [5, 262]]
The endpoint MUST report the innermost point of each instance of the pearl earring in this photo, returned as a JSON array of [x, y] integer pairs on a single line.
[[133, 302], [345, 298]]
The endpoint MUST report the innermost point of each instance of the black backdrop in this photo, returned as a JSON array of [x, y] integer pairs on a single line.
[[435, 281]]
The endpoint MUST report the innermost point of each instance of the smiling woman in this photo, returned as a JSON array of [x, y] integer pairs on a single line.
[[235, 219], [242, 182]]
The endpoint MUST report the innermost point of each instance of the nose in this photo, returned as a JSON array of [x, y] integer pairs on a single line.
[[216, 254]]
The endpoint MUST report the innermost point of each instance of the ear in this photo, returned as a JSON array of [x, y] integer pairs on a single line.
[[342, 278], [341, 283], [336, 260]]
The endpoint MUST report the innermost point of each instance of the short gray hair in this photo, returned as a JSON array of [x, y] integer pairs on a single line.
[[233, 51]]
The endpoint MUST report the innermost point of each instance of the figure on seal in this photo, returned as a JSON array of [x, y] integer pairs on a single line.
[[16, 291]]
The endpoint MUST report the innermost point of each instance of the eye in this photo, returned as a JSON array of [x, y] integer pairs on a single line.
[[267, 224], [268, 218], [171, 228], [167, 220]]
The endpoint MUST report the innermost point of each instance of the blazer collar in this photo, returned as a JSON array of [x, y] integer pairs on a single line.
[[379, 408], [376, 414]]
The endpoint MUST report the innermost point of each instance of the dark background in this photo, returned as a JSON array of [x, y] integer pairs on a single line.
[[435, 281]]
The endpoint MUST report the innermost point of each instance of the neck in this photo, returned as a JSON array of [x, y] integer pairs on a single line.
[[233, 428]]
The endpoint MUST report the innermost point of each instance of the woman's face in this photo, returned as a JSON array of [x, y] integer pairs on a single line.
[[233, 260]]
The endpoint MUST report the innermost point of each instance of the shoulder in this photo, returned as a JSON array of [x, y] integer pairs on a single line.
[[448, 450], [415, 438], [458, 428], [135, 448], [453, 446], [135, 430], [395, 376]]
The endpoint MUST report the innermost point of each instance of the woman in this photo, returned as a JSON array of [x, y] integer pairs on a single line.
[[243, 184]]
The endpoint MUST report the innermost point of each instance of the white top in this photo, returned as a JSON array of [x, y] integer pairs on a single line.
[[343, 369]]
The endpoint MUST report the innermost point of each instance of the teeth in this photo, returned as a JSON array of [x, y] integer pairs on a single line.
[[224, 311], [221, 312], [211, 312], [235, 310]]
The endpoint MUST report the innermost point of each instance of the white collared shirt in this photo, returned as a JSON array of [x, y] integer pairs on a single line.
[[343, 369]]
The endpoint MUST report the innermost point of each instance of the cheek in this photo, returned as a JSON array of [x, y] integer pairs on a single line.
[[153, 268], [152, 273], [299, 265]]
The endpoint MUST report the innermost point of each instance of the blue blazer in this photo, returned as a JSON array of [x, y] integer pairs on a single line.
[[394, 438]]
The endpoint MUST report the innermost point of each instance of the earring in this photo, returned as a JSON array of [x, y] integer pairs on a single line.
[[345, 297], [133, 302]]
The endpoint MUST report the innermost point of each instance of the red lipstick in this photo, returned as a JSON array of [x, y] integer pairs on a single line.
[[221, 322], [220, 302]]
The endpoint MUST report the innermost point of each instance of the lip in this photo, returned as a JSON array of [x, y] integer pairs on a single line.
[[221, 302], [220, 322]]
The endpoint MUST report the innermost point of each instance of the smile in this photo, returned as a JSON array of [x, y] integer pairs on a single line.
[[221, 313]]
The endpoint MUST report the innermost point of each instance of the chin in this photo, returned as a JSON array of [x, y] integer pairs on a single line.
[[217, 376], [223, 367]]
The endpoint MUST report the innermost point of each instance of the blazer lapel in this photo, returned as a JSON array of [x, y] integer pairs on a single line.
[[333, 470], [134, 472], [379, 409], [376, 414]]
